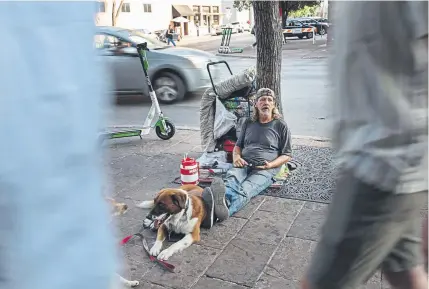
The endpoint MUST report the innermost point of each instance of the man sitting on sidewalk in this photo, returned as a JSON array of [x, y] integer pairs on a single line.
[[263, 146]]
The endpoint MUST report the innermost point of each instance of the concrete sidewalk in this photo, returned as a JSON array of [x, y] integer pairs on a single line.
[[196, 39], [266, 245]]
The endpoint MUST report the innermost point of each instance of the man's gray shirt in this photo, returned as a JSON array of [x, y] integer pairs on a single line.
[[379, 74], [261, 142]]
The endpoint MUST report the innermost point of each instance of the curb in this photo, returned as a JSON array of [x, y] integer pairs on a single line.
[[134, 126], [236, 55], [314, 138], [194, 128]]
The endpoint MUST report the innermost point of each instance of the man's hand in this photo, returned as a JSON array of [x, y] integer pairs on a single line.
[[238, 162], [266, 166]]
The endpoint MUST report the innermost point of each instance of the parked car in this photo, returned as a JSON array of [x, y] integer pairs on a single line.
[[217, 29], [295, 28], [247, 27], [173, 71], [234, 27], [144, 31], [321, 20], [321, 27], [237, 26]]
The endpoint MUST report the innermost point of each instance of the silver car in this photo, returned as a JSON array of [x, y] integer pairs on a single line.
[[174, 71]]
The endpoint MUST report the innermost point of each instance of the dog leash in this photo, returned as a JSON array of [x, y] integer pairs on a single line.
[[163, 264]]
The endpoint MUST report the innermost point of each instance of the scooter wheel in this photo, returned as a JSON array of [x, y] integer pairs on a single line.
[[171, 130]]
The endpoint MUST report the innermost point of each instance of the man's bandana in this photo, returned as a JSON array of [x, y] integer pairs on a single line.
[[265, 92]]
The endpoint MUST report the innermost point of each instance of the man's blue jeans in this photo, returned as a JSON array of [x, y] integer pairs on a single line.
[[242, 184]]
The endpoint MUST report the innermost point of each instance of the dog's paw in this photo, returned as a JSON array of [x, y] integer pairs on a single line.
[[147, 223], [156, 249], [165, 255], [133, 283]]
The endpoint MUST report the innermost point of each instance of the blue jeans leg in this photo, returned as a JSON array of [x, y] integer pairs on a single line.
[[170, 40], [243, 184]]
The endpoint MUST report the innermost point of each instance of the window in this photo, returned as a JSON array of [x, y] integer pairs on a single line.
[[196, 9], [125, 7], [147, 8], [103, 41], [215, 9], [215, 19], [205, 20], [101, 7], [206, 9], [152, 43], [294, 23]]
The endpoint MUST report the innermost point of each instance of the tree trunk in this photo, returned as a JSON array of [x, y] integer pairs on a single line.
[[114, 13], [269, 46]]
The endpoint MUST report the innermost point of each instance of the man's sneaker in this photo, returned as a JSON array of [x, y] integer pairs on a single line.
[[220, 207], [208, 200]]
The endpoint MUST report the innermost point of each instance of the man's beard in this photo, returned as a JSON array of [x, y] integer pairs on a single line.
[[265, 112]]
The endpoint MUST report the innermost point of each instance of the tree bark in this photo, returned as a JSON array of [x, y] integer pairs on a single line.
[[269, 46], [116, 11]]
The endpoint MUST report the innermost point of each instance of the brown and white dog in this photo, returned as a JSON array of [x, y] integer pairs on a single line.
[[182, 210]]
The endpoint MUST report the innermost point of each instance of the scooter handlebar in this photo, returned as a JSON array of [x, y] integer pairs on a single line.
[[142, 46]]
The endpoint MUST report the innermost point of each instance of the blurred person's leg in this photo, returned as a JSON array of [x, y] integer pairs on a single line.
[[425, 240], [380, 83], [367, 229], [54, 230]]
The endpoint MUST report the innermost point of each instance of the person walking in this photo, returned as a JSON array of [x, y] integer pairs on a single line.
[[170, 34], [254, 33], [380, 80]]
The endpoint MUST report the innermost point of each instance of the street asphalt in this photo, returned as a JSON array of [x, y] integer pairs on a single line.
[[304, 99], [304, 89]]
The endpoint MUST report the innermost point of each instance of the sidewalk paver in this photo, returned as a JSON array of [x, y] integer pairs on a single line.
[[268, 244], [309, 222]]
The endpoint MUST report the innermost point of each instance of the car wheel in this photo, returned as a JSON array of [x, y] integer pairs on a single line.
[[309, 35], [322, 31], [169, 87]]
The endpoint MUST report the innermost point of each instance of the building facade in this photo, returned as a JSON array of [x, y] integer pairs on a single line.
[[231, 14], [156, 15]]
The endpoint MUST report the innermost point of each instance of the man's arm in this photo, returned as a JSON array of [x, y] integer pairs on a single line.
[[237, 161], [236, 158], [278, 162]]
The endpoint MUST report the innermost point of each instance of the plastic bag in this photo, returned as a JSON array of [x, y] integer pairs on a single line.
[[224, 120]]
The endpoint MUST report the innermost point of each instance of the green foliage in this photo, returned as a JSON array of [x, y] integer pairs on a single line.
[[287, 6], [241, 5], [305, 11]]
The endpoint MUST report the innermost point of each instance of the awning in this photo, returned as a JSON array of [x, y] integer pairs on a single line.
[[182, 10]]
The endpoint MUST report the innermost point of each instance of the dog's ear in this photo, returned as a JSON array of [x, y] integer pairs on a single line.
[[155, 200], [179, 199]]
